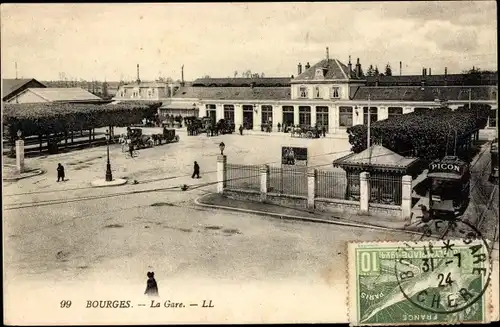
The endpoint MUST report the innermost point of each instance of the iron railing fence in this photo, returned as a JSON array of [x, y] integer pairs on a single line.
[[331, 184], [386, 189], [242, 177]]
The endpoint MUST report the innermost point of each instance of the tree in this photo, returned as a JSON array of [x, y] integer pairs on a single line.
[[388, 70], [255, 75], [206, 76], [235, 73], [261, 75], [247, 73], [376, 72], [370, 71], [105, 94]]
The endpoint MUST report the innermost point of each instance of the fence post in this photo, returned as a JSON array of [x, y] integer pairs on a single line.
[[20, 156], [221, 173], [406, 197], [364, 192], [264, 182], [311, 188]]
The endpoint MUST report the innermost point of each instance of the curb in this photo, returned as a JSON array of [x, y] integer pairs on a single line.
[[301, 218], [37, 172], [114, 182]]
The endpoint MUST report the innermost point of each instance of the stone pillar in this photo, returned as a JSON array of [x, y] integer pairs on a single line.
[[333, 119], [256, 118], [277, 116], [406, 197], [364, 192], [383, 113], [264, 182], [202, 110], [311, 188], [313, 116], [296, 115], [20, 156], [238, 116], [221, 173]]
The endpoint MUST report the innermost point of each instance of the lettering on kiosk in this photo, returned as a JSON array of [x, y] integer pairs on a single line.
[[444, 166]]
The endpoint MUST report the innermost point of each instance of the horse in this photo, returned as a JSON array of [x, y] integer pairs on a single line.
[[122, 139]]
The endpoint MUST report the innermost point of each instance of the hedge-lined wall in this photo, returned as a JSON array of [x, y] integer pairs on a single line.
[[425, 135], [36, 119]]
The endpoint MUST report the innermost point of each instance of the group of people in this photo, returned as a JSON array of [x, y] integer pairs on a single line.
[[321, 129]]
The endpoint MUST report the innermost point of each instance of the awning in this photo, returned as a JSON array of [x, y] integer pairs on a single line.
[[180, 105], [444, 176]]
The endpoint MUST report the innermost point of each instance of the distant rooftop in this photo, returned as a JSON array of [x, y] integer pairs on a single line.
[[54, 94], [243, 81]]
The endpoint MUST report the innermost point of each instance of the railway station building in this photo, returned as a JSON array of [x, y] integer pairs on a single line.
[[329, 93]]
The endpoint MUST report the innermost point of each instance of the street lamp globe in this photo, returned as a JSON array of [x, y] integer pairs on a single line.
[[19, 133], [221, 147]]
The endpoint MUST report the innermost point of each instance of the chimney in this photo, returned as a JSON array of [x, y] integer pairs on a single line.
[[400, 68], [327, 55], [423, 72], [182, 75], [445, 71], [349, 65], [357, 70], [299, 68], [308, 66], [138, 78], [445, 75], [430, 72]]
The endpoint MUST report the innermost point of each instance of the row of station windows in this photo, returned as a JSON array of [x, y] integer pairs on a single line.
[[345, 114]]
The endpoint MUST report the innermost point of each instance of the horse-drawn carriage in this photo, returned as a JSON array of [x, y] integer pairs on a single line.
[[305, 131], [223, 126], [194, 125], [136, 139], [168, 136]]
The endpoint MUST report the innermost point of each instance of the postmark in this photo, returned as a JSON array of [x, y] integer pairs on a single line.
[[434, 281]]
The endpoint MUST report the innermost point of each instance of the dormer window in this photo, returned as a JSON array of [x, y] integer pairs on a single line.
[[303, 92], [319, 74], [317, 92], [335, 92]]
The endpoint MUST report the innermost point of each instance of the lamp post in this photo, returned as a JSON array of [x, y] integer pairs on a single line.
[[221, 147], [455, 141], [109, 176]]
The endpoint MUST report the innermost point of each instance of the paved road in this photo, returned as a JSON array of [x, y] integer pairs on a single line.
[[70, 233]]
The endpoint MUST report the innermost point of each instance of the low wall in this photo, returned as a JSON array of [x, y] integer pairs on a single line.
[[337, 206], [385, 210], [237, 194], [287, 200]]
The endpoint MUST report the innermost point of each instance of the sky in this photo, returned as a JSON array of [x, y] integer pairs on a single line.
[[107, 41]]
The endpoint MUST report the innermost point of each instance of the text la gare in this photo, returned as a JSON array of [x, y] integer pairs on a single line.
[[171, 304]]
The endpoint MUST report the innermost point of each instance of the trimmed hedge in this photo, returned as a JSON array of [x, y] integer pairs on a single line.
[[35, 119], [426, 135]]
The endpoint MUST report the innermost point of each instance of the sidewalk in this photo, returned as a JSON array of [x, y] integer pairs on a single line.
[[338, 135], [218, 201], [10, 174]]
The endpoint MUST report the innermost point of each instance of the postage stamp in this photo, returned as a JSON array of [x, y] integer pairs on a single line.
[[421, 282]]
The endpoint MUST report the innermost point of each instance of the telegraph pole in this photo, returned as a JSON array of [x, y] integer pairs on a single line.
[[16, 69], [369, 125]]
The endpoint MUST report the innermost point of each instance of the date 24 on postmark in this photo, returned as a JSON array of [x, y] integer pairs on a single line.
[[419, 283]]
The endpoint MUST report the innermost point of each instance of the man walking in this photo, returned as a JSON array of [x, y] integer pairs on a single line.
[[241, 130], [196, 171], [60, 172]]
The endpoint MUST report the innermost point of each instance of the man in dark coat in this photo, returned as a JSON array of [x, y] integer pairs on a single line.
[[60, 172], [323, 129], [196, 171], [241, 129], [151, 285]]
